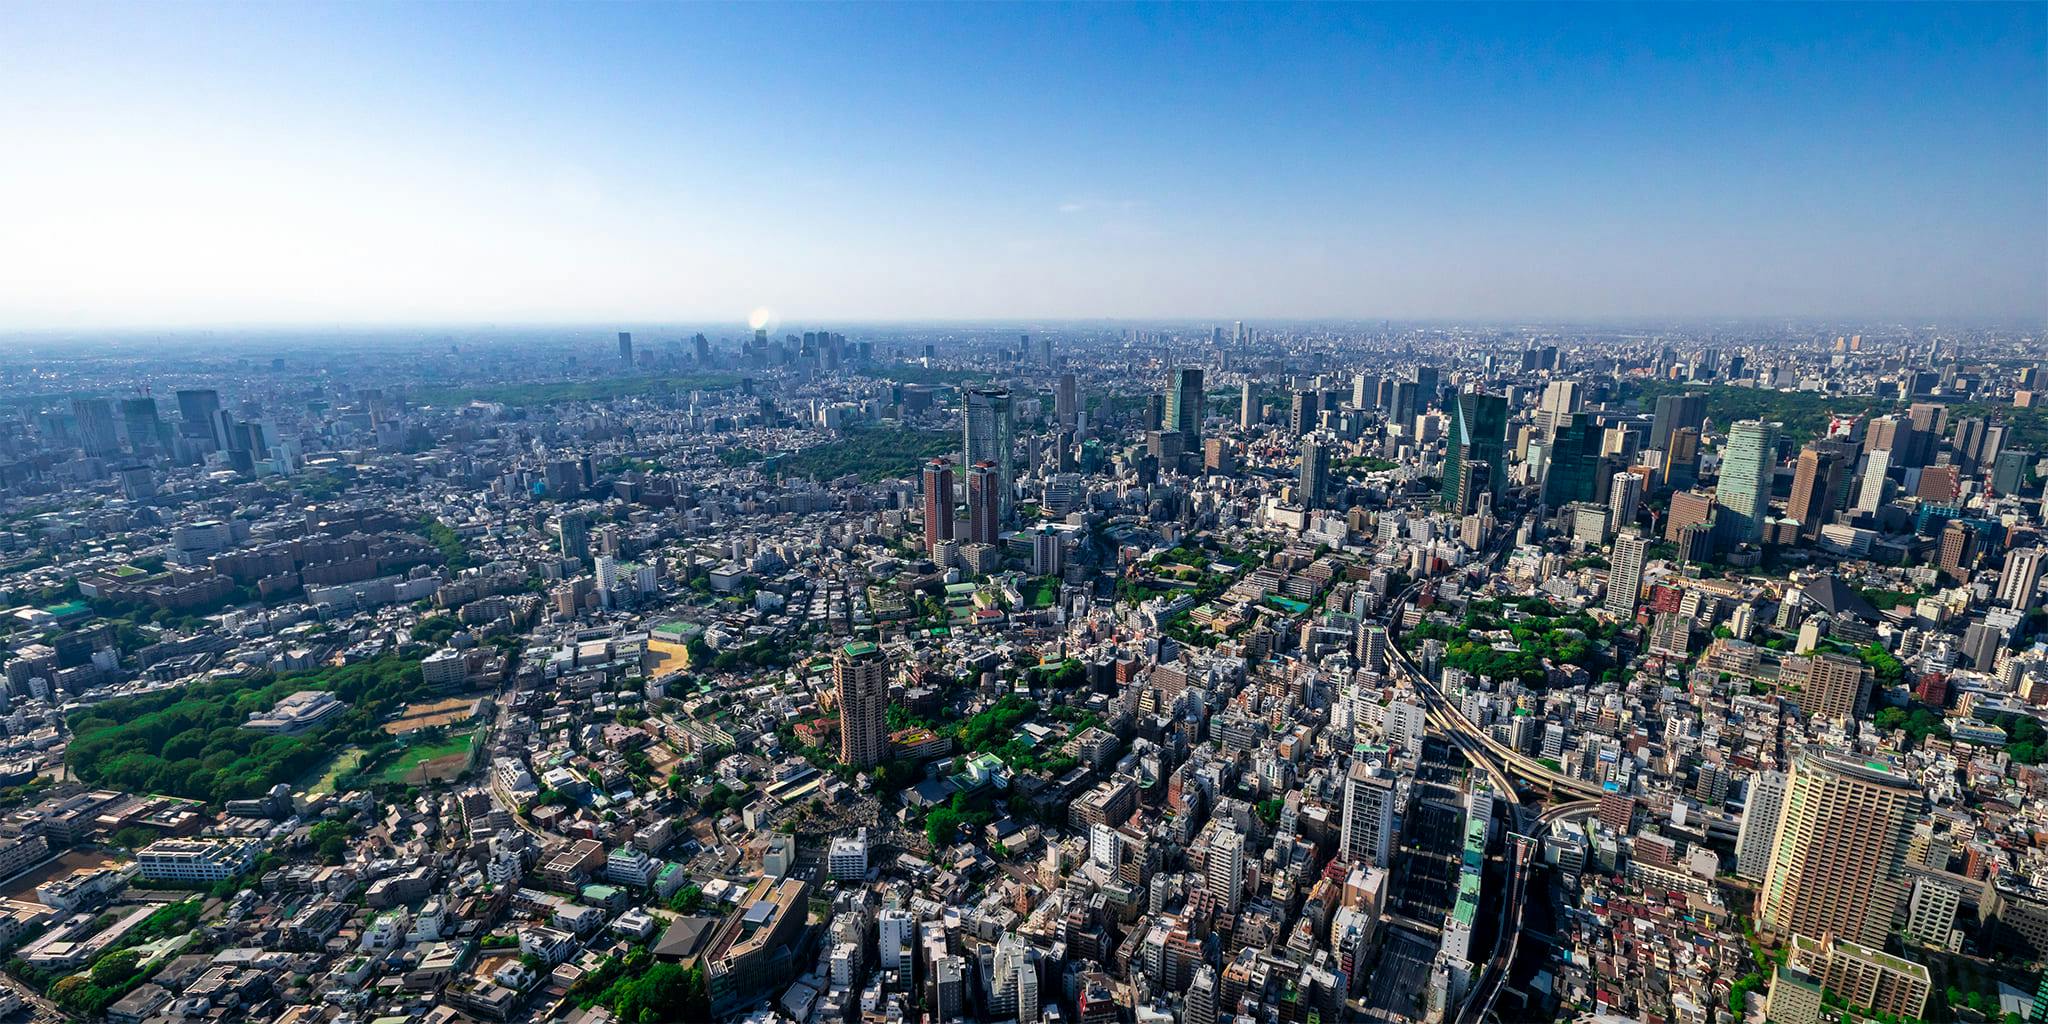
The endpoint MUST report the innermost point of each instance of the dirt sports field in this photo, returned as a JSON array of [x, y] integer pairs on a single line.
[[423, 716]]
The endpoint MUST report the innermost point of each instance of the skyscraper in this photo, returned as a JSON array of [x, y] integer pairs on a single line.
[[1957, 551], [1763, 803], [1939, 484], [575, 536], [1247, 411], [938, 503], [1829, 686], [984, 505], [1403, 406], [1428, 386], [1371, 644], [1625, 574], [862, 678], [1673, 412], [96, 431], [199, 416], [1315, 471], [1836, 860], [1560, 400], [1363, 390], [1301, 417], [2021, 578], [1226, 867], [1895, 435], [2009, 471], [1184, 405], [626, 348], [1479, 434], [1814, 479], [1368, 828], [1624, 496], [1969, 442], [1876, 469], [1744, 493], [1576, 472], [989, 430], [145, 430], [1682, 459], [1066, 400]]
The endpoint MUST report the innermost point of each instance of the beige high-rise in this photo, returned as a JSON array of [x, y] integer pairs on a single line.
[[1836, 862], [1830, 686]]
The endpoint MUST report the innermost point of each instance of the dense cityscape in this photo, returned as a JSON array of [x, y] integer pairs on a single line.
[[1277, 672]]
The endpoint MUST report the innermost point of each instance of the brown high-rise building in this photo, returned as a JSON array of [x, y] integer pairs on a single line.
[[938, 503], [1219, 456], [1958, 551], [1682, 458], [984, 503], [1837, 859], [1688, 508], [1814, 481], [1928, 418], [1830, 686], [862, 678], [1895, 435], [1940, 483]]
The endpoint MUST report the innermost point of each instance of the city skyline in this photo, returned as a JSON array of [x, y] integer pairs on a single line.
[[335, 166], [1024, 514]]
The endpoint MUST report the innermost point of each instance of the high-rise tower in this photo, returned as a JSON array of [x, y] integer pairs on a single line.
[[1315, 471], [1625, 574], [862, 678], [1479, 433], [1836, 860], [1226, 867], [1744, 493], [989, 434], [984, 504], [938, 503], [1184, 405], [1368, 828]]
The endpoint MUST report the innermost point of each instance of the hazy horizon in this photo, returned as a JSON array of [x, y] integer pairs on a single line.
[[473, 166], [601, 330]]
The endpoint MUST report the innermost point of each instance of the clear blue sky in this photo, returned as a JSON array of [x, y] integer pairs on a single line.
[[379, 163]]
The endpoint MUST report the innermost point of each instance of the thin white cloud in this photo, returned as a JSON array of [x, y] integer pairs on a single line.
[[1100, 205]]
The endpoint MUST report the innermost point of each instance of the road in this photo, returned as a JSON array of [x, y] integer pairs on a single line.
[[1444, 715], [1521, 856], [43, 1009], [499, 796], [1503, 765]]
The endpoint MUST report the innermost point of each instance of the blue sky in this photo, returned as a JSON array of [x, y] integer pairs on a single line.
[[381, 163]]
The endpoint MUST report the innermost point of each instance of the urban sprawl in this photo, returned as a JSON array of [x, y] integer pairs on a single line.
[[1058, 674]]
